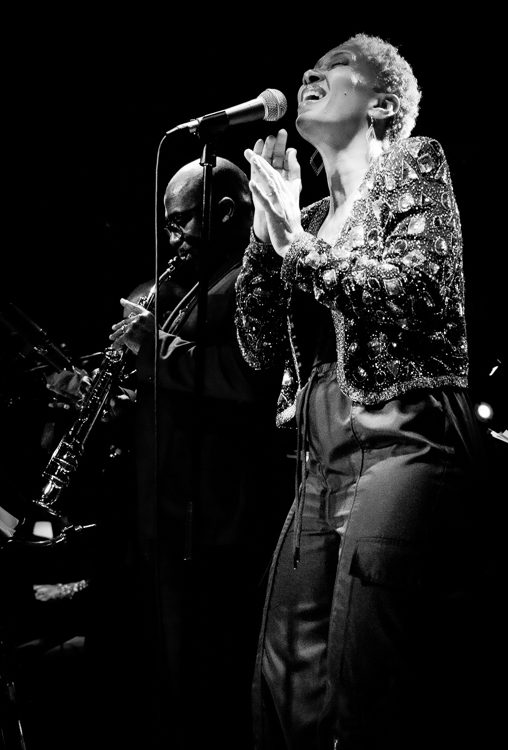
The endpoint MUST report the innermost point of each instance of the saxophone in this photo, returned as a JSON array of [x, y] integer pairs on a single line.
[[66, 457]]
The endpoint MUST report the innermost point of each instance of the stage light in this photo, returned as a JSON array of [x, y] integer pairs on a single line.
[[484, 411]]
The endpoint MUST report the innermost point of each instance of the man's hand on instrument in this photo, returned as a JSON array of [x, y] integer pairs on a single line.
[[134, 328]]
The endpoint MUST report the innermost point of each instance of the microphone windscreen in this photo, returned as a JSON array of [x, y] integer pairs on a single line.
[[275, 104]]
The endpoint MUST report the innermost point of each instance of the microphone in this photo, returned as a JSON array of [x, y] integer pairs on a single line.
[[270, 105]]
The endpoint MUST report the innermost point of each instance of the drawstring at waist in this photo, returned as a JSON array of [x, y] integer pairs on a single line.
[[301, 463]]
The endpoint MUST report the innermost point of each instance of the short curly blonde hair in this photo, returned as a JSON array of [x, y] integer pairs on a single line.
[[394, 76]]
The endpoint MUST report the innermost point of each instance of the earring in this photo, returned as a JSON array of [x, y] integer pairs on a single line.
[[316, 162], [371, 133], [375, 147]]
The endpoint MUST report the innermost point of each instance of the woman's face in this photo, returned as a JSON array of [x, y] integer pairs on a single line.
[[335, 95]]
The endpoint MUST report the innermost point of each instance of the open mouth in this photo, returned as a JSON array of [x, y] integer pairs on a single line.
[[313, 94]]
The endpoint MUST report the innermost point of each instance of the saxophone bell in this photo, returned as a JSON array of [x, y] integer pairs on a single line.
[[43, 526]]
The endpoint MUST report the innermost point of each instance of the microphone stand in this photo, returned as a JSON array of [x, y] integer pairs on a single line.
[[206, 132], [193, 509], [208, 162]]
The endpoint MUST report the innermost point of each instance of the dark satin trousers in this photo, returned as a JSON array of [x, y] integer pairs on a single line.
[[366, 643]]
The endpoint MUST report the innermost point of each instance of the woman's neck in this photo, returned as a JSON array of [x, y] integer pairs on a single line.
[[345, 170]]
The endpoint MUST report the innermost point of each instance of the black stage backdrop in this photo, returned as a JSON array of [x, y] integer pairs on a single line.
[[88, 99]]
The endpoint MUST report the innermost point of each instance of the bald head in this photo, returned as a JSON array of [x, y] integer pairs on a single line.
[[228, 181], [231, 209]]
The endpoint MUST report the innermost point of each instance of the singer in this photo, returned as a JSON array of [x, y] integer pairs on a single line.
[[369, 618]]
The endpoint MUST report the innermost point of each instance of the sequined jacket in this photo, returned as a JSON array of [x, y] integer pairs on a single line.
[[393, 282]]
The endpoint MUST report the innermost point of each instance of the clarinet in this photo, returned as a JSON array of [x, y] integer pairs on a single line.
[[68, 454]]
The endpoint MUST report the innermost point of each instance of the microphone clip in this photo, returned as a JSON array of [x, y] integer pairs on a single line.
[[206, 126]]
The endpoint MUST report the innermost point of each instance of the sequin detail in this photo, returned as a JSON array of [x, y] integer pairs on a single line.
[[393, 281]]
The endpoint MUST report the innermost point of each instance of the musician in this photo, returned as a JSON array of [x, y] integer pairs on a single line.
[[369, 637], [196, 688]]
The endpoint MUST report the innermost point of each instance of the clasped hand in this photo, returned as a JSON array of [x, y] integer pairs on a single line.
[[275, 184]]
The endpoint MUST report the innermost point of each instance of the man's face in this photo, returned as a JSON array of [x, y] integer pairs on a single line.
[[183, 218], [183, 222]]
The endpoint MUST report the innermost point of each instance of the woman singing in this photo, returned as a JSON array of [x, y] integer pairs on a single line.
[[362, 293]]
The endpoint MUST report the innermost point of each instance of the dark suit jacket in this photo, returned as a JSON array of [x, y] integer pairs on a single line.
[[235, 484]]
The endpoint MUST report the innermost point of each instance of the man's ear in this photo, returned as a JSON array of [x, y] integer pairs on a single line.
[[226, 209], [386, 106]]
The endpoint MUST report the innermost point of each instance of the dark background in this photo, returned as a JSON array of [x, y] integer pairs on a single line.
[[88, 100]]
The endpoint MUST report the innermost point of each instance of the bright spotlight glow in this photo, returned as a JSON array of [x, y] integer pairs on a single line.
[[484, 411]]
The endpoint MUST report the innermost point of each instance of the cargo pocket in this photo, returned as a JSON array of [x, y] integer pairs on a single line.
[[387, 562]]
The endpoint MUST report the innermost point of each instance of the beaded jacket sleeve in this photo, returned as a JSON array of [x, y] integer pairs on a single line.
[[393, 282]]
